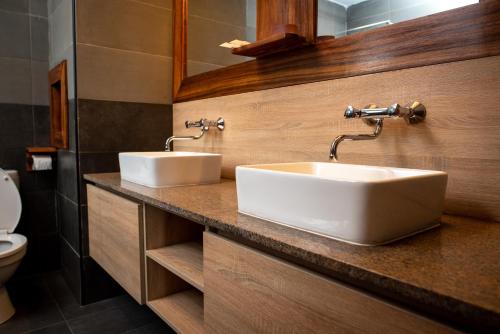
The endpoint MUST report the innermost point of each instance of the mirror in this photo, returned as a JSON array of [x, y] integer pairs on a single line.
[[345, 17], [213, 22], [215, 71]]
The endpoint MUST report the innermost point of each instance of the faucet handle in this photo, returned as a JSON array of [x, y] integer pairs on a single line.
[[351, 112], [416, 113], [219, 123]]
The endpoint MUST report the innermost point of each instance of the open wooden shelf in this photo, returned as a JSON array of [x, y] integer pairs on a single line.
[[183, 311], [184, 260], [30, 151], [174, 269]]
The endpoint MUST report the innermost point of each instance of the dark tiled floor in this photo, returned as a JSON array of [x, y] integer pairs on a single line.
[[45, 305]]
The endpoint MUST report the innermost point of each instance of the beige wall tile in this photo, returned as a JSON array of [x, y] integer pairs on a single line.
[[125, 24], [15, 80], [116, 75]]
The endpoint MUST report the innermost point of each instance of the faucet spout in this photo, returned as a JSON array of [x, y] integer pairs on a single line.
[[170, 140], [379, 123], [334, 147]]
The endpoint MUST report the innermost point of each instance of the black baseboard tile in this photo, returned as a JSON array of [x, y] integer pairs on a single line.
[[97, 284], [69, 221], [67, 174], [71, 269]]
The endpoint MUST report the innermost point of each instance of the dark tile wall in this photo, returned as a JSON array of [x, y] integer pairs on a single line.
[[24, 45], [22, 126], [68, 213], [106, 128], [24, 121]]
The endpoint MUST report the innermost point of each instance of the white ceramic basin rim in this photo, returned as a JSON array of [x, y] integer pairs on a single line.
[[163, 169], [364, 205]]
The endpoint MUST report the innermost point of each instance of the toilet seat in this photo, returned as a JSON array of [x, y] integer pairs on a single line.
[[10, 213], [10, 204], [17, 244]]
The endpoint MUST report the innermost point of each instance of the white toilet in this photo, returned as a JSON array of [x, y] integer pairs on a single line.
[[12, 246]]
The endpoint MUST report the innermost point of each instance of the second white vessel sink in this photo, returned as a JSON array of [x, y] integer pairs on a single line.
[[163, 169], [362, 205]]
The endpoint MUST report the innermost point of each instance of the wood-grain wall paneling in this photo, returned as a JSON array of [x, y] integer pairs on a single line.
[[115, 239], [250, 292], [298, 123]]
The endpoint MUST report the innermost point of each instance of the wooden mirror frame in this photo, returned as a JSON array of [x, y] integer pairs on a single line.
[[464, 33]]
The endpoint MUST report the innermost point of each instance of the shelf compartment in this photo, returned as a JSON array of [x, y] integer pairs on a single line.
[[183, 311], [30, 151], [184, 260], [165, 229], [174, 300]]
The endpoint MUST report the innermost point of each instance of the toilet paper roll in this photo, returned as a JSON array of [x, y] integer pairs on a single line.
[[42, 162]]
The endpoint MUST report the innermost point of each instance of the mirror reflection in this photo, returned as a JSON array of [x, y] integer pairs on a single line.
[[213, 22], [345, 17]]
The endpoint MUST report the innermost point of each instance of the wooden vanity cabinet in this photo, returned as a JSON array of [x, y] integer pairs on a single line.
[[115, 239], [247, 291], [217, 285]]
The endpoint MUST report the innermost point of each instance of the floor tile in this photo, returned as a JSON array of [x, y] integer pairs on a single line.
[[155, 327], [113, 321], [35, 307], [60, 328], [46, 305], [70, 307]]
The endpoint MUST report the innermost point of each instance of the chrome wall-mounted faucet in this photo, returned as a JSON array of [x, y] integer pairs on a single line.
[[204, 124], [371, 115]]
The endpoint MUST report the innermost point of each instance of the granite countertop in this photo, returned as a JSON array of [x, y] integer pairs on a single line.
[[452, 272]]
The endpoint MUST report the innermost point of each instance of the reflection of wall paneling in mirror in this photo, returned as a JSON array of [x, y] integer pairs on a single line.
[[213, 22], [345, 17]]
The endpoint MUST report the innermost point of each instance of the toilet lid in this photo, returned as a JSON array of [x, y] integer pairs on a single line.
[[10, 203]]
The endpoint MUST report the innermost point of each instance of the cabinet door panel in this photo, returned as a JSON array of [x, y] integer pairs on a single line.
[[115, 238], [247, 291]]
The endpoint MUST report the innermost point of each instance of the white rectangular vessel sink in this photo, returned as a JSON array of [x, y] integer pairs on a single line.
[[362, 205], [163, 169]]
